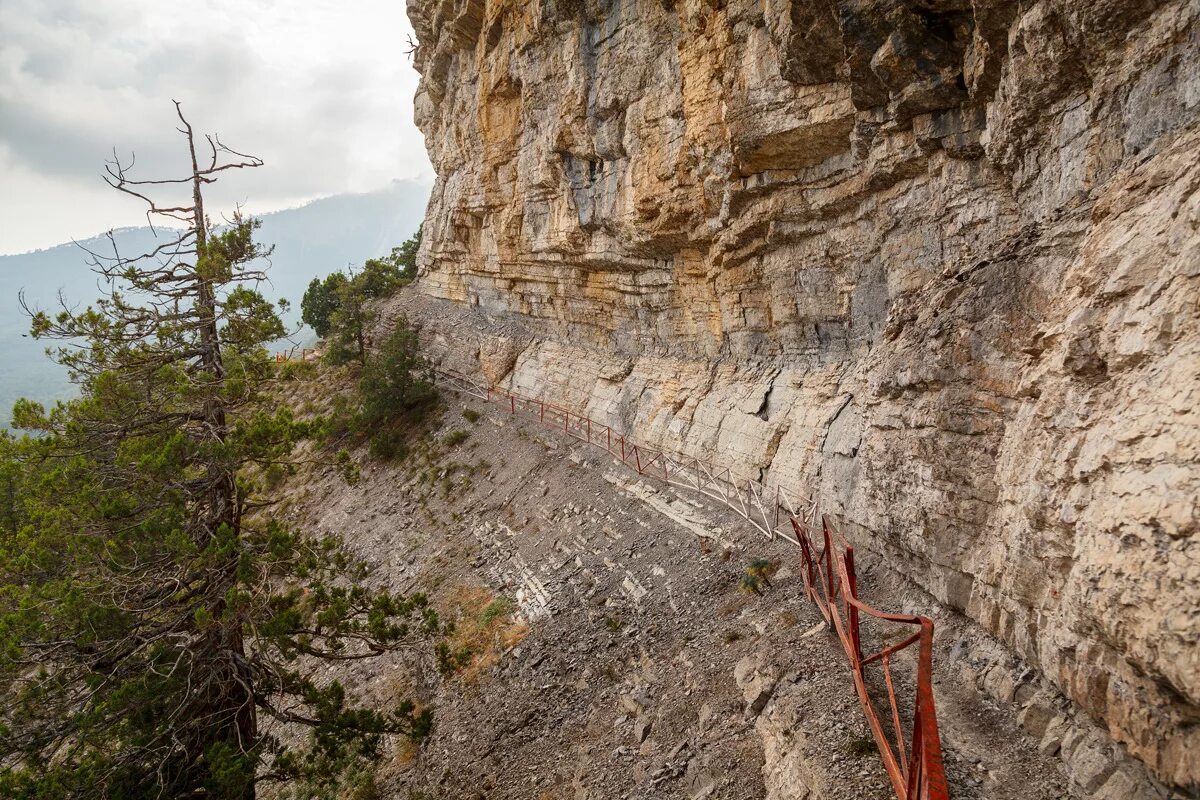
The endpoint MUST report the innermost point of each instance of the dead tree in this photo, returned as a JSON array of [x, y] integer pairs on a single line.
[[198, 601]]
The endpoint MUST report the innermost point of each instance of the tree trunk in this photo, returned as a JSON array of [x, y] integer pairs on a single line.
[[232, 699]]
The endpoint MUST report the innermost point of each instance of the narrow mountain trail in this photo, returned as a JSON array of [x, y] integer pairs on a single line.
[[624, 658]]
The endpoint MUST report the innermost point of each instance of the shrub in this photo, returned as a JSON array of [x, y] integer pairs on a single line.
[[297, 370], [484, 630], [750, 585], [357, 783], [396, 384], [472, 416], [275, 474], [388, 445], [761, 569], [455, 438], [758, 575], [347, 468], [451, 660], [499, 607]]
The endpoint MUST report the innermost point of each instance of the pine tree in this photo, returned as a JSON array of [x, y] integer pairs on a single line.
[[339, 308], [350, 322], [405, 256], [157, 622], [320, 301]]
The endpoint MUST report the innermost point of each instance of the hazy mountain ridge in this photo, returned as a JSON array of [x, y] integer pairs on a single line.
[[311, 240]]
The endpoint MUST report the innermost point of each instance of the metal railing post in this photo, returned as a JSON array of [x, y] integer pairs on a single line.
[[829, 593], [776, 525], [851, 592]]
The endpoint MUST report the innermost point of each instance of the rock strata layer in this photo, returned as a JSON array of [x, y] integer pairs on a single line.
[[936, 262]]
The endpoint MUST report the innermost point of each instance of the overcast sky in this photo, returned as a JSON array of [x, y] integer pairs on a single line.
[[321, 89]]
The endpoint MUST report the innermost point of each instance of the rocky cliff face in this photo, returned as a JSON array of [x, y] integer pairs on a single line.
[[936, 262]]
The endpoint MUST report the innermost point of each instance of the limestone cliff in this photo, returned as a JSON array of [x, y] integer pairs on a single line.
[[937, 262]]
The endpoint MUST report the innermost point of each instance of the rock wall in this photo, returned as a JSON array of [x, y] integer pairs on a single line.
[[937, 262]]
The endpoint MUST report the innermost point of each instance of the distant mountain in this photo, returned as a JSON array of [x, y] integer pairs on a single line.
[[310, 241]]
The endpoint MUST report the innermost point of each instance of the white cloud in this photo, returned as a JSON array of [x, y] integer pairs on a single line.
[[321, 90]]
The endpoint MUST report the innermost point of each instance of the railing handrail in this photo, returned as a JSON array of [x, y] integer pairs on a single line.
[[914, 767]]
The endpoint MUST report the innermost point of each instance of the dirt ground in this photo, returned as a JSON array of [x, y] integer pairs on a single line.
[[611, 650]]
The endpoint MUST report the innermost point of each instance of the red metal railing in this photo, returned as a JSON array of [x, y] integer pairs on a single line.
[[914, 760], [830, 581], [306, 354]]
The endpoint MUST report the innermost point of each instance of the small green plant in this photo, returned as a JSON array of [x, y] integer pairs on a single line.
[[388, 445], [757, 576], [471, 415], [499, 607], [358, 783], [455, 438], [346, 467], [750, 584], [731, 636], [613, 624], [340, 419], [296, 370], [275, 474], [761, 569], [451, 660]]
